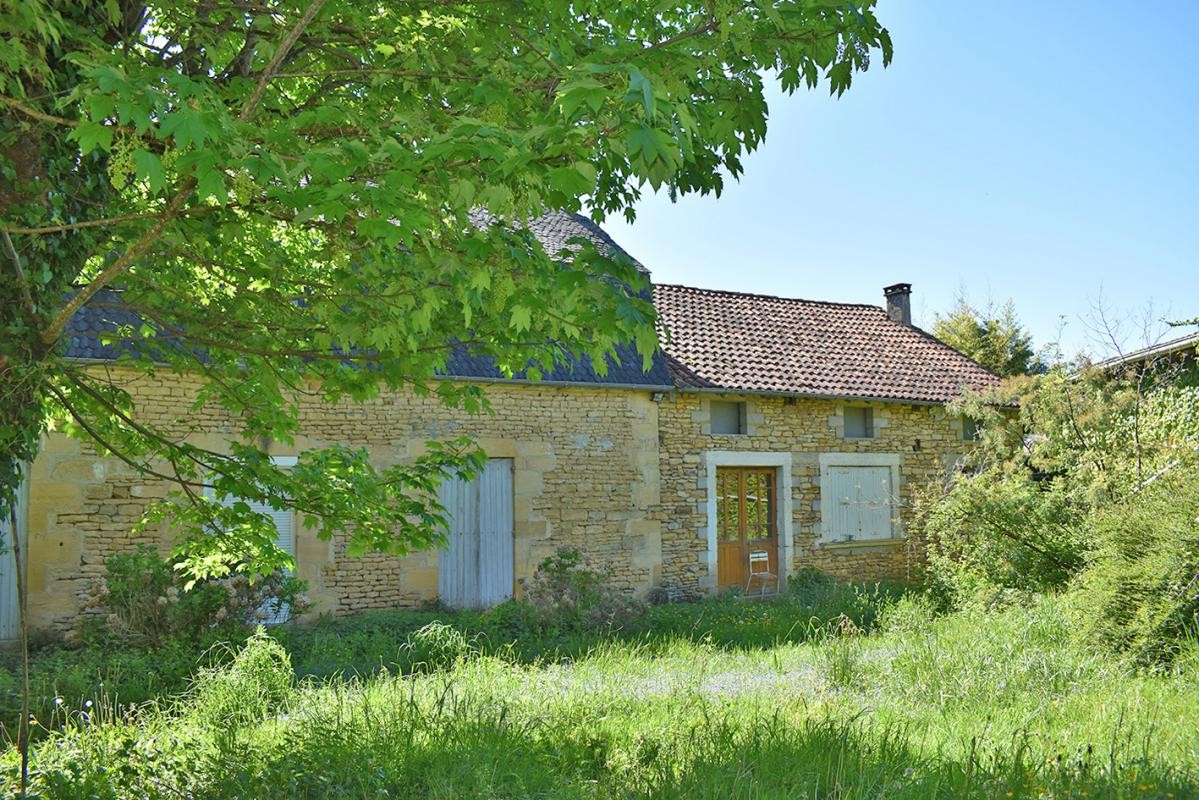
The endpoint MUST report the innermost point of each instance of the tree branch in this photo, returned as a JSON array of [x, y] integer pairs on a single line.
[[280, 54], [54, 330], [81, 421], [99, 223], [52, 333], [41, 116], [702, 29], [22, 282]]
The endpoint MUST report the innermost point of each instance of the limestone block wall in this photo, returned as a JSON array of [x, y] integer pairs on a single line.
[[586, 475], [612, 472], [926, 439]]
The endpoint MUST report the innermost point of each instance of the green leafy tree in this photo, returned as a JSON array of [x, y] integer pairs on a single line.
[[327, 196], [328, 193], [992, 336]]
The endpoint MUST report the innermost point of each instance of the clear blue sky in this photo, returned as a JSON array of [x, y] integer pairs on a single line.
[[1043, 152]]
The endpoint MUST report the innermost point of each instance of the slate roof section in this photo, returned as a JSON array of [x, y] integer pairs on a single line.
[[627, 371], [555, 232], [755, 343], [103, 315]]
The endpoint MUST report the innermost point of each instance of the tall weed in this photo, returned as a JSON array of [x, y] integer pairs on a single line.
[[254, 685]]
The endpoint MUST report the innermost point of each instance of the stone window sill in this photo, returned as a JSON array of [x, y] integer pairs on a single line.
[[860, 544]]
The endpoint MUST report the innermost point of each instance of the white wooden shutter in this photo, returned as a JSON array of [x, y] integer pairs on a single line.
[[284, 519], [458, 564], [285, 540], [843, 523], [862, 507], [475, 570], [9, 618], [874, 502]]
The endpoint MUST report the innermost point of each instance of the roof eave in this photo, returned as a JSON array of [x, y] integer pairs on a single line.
[[812, 396], [645, 387]]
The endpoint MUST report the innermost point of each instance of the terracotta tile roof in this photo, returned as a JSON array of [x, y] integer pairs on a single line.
[[756, 343]]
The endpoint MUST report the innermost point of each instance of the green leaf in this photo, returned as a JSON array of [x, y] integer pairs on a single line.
[[149, 168], [652, 145], [187, 128], [586, 91], [640, 85], [520, 319], [210, 182], [91, 136], [575, 180], [462, 193]]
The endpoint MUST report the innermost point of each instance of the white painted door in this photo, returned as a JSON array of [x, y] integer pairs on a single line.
[[862, 507], [475, 569], [9, 618]]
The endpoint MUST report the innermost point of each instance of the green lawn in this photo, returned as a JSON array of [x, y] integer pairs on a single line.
[[966, 705]]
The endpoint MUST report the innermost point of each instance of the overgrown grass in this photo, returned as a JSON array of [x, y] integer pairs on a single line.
[[973, 705], [107, 669]]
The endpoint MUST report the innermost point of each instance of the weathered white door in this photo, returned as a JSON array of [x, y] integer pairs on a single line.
[[475, 569], [8, 569], [862, 507]]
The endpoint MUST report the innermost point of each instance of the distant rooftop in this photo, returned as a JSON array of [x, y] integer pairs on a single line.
[[1161, 350]]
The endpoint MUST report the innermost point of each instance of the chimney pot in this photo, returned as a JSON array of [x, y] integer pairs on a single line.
[[899, 302]]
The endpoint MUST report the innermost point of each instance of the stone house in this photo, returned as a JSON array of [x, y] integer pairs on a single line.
[[769, 435]]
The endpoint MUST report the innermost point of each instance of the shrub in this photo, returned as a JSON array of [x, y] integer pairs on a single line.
[[254, 685], [827, 598], [146, 603], [1140, 594], [1005, 531], [572, 594]]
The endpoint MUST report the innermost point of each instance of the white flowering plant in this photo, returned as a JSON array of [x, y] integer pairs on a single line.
[[142, 599]]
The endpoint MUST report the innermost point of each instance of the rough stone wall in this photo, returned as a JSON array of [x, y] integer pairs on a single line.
[[927, 440], [611, 472], [585, 475]]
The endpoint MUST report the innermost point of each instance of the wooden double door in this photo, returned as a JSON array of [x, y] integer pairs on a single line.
[[746, 523], [475, 569]]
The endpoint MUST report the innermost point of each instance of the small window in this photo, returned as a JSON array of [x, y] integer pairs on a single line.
[[727, 417], [970, 430], [859, 422]]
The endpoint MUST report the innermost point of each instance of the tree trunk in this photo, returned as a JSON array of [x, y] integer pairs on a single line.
[[23, 624]]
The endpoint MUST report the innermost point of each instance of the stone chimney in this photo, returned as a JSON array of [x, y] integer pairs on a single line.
[[899, 302]]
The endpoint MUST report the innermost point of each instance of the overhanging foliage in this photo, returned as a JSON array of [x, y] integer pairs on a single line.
[[291, 189]]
